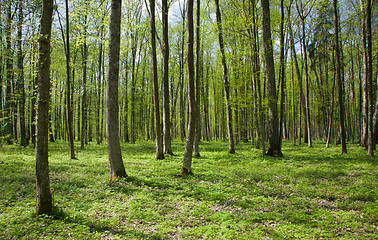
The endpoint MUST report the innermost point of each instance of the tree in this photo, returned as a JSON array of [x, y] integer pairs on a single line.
[[303, 16], [273, 126], [187, 162], [338, 78], [197, 136], [166, 108], [9, 69], [20, 82], [226, 84], [68, 89], [159, 139], [117, 168], [371, 137], [44, 200]]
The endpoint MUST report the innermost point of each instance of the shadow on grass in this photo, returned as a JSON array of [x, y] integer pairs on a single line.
[[98, 227]]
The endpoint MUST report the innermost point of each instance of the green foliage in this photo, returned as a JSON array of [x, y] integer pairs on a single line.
[[309, 193]]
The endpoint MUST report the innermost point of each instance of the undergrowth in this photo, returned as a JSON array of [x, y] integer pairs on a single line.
[[307, 194]]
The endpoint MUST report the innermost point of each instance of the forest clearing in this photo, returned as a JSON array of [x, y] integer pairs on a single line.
[[307, 194]]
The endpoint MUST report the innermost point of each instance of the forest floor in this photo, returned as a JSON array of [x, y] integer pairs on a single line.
[[307, 194]]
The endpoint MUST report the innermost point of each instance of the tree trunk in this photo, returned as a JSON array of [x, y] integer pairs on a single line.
[[117, 168], [274, 137], [68, 89], [9, 74], [187, 162], [158, 135], [20, 83], [166, 100], [371, 137], [282, 72], [84, 101], [226, 84], [44, 200], [338, 78], [197, 136]]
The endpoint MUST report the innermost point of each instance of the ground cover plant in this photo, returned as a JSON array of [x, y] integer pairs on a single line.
[[309, 193]]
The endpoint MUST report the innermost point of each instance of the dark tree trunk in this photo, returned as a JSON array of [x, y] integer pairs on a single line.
[[274, 137], [187, 162], [226, 84], [84, 101], [44, 200], [158, 135], [9, 74], [300, 86], [340, 83], [68, 88], [371, 137], [166, 100], [20, 83], [117, 168], [282, 72], [197, 136]]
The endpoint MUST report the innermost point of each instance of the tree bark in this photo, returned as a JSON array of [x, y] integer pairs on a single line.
[[20, 83], [187, 162], [68, 88], [338, 78], [8, 87], [84, 101], [44, 200], [158, 135], [166, 100], [274, 138], [365, 100], [197, 136], [371, 137], [117, 168], [226, 84]]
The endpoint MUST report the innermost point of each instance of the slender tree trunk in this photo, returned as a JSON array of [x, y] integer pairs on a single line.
[[365, 100], [187, 162], [99, 89], [197, 136], [182, 102], [84, 101], [300, 86], [338, 78], [117, 168], [274, 138], [159, 137], [20, 83], [226, 84], [44, 199], [371, 137], [166, 100], [9, 74], [332, 103], [282, 72], [68, 89]]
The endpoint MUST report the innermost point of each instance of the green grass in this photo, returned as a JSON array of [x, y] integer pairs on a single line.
[[307, 194]]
